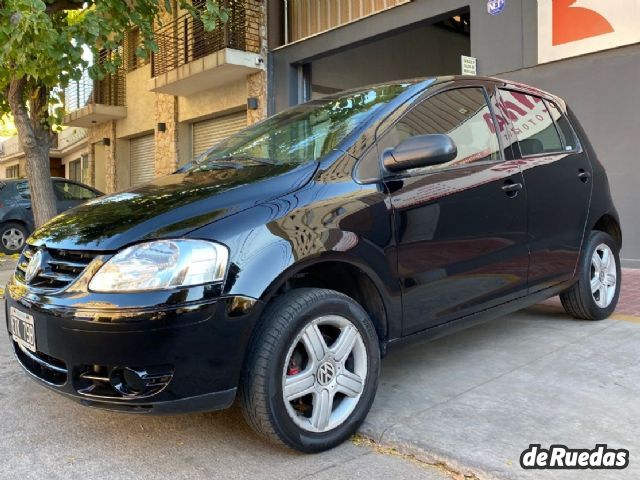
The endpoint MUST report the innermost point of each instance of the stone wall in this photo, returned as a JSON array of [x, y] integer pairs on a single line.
[[256, 25], [166, 108], [97, 134]]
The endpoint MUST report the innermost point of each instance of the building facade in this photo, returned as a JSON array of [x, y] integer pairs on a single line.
[[585, 52], [68, 156], [158, 113]]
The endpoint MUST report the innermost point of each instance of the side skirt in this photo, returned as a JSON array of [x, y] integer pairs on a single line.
[[469, 321]]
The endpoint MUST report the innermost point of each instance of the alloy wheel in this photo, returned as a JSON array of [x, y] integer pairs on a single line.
[[12, 239], [324, 374], [604, 275]]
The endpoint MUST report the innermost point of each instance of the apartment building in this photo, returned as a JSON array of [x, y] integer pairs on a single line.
[[586, 52], [157, 113], [68, 156]]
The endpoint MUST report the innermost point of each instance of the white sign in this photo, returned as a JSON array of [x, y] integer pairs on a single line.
[[567, 28], [469, 65]]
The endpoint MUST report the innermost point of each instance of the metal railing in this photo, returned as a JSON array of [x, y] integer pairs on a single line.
[[108, 91], [185, 39]]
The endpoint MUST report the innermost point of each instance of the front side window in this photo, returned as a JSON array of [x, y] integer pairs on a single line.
[[531, 123], [463, 114], [301, 134], [72, 191]]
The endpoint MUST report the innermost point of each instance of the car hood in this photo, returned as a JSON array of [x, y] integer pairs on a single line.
[[169, 206]]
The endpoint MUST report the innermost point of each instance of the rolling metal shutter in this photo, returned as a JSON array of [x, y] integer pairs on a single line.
[[209, 132], [142, 159]]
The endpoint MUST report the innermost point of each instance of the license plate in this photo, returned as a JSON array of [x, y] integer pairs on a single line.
[[22, 329]]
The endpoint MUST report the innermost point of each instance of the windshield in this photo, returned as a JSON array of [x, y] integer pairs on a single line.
[[300, 134]]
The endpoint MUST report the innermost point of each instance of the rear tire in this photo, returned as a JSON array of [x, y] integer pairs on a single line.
[[312, 370], [13, 236], [595, 295]]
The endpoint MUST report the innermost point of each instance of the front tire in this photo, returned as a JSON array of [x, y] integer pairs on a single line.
[[312, 370], [595, 295]]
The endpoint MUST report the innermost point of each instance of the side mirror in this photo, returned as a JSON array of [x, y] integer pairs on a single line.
[[420, 151]]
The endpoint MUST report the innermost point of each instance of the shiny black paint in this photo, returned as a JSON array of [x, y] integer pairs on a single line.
[[438, 262], [169, 206]]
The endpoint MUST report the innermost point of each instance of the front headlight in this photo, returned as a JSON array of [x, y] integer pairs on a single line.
[[161, 265]]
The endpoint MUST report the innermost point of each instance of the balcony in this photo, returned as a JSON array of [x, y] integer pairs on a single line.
[[92, 102], [190, 59]]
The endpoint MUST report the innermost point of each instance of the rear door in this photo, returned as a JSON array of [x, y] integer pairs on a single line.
[[461, 227], [557, 175], [21, 204]]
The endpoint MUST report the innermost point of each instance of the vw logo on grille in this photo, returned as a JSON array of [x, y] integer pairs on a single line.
[[34, 266], [325, 374]]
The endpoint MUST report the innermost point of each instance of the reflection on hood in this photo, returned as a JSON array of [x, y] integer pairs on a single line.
[[169, 206]]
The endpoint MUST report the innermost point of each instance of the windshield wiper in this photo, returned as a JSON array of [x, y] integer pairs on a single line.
[[243, 158]]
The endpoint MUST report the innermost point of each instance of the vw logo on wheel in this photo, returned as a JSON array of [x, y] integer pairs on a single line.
[[325, 374], [34, 266]]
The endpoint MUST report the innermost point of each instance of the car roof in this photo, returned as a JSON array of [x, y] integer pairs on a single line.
[[431, 81]]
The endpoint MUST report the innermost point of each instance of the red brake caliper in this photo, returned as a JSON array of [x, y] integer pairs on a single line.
[[294, 364], [293, 368]]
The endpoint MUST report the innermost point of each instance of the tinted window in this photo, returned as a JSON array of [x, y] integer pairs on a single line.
[[463, 114], [23, 190], [564, 128], [531, 123], [72, 191]]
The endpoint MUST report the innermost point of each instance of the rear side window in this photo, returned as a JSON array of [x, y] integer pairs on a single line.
[[531, 123], [564, 128], [462, 114], [23, 190]]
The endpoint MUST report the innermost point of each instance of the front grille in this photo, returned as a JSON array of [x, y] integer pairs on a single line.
[[45, 367], [59, 268]]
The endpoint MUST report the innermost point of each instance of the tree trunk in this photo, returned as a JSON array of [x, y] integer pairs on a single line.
[[35, 139]]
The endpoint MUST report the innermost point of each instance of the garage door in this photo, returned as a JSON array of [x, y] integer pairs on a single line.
[[142, 159], [209, 132]]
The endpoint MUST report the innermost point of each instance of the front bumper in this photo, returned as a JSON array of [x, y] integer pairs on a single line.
[[190, 352]]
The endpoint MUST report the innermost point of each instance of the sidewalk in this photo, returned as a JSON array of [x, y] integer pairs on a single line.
[[475, 400], [629, 303]]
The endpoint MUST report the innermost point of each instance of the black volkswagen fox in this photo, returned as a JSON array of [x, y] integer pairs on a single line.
[[282, 264]]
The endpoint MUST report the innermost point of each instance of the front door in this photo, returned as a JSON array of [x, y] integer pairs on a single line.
[[460, 227], [557, 175]]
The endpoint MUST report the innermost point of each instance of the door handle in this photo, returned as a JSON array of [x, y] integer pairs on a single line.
[[511, 188], [583, 176]]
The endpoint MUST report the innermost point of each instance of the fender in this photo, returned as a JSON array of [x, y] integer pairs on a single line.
[[341, 222]]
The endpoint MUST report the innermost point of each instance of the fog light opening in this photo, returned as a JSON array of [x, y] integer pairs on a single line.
[[139, 382]]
